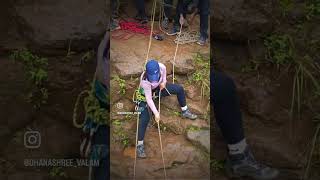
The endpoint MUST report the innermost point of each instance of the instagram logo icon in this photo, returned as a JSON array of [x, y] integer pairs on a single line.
[[32, 139]]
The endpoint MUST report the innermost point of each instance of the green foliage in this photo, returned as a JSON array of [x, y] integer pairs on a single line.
[[313, 9], [252, 66], [202, 75], [56, 172], [193, 128], [93, 109], [36, 68], [122, 84], [87, 56], [279, 49], [286, 6], [217, 165], [119, 133]]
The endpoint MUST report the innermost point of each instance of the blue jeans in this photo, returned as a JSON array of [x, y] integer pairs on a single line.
[[144, 117]]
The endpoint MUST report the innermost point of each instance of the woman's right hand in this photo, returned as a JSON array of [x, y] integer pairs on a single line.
[[157, 117]]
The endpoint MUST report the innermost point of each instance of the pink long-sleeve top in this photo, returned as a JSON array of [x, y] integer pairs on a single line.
[[149, 86]]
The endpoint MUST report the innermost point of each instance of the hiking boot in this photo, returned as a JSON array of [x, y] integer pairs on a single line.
[[175, 30], [202, 41], [244, 165], [140, 151], [189, 115], [165, 23]]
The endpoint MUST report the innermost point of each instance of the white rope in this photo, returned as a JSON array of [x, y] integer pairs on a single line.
[[164, 166], [135, 155], [187, 37]]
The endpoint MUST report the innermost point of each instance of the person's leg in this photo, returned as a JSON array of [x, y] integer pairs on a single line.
[[180, 9], [179, 91], [141, 15], [144, 119], [114, 8], [114, 25], [226, 108], [203, 7], [167, 13], [100, 151], [167, 8], [140, 7], [240, 161]]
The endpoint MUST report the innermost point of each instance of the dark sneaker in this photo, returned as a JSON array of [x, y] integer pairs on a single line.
[[175, 30], [244, 165], [202, 41], [140, 151], [165, 23], [189, 115]]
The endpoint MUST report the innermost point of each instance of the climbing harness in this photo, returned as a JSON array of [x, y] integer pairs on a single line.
[[95, 105]]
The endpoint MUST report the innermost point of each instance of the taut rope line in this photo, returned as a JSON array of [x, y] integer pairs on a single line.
[[164, 166]]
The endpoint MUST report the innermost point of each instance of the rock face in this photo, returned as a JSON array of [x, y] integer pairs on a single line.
[[240, 19], [59, 139], [182, 159], [56, 24], [201, 137]]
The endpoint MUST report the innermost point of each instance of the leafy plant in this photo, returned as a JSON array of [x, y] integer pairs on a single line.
[[57, 172], [87, 56], [36, 68], [122, 84], [217, 165], [202, 74], [286, 6], [119, 133], [252, 66], [279, 49], [313, 9], [193, 128]]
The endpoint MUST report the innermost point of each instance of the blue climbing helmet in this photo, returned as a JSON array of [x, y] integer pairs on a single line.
[[153, 70]]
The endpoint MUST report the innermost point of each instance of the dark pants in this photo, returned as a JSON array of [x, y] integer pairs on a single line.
[[102, 172], [144, 117], [226, 107], [114, 8], [203, 7], [167, 8], [140, 7]]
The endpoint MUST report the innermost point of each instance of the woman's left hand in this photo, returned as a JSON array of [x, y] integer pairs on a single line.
[[162, 85]]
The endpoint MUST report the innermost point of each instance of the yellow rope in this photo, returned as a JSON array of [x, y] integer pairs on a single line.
[[135, 155], [147, 57], [164, 166], [175, 54], [75, 110], [151, 33]]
